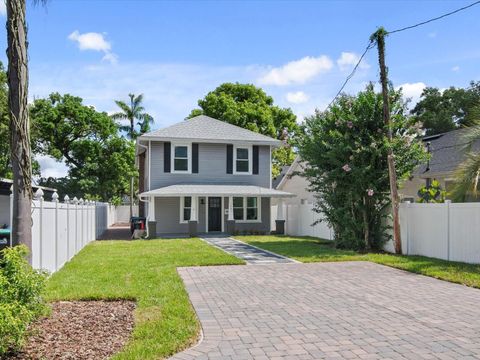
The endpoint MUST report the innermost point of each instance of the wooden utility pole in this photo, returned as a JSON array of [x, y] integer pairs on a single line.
[[379, 37], [19, 122]]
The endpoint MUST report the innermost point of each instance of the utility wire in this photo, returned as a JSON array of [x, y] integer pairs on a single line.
[[434, 19], [371, 44]]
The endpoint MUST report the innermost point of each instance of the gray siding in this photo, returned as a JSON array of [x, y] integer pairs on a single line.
[[167, 213], [212, 168]]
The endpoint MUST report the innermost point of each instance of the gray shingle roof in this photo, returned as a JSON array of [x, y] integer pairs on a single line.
[[205, 128], [446, 153], [216, 190]]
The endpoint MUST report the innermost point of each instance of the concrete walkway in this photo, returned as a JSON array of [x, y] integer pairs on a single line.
[[349, 310], [251, 254], [117, 232]]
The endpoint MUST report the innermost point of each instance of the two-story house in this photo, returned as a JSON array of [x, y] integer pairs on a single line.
[[204, 175]]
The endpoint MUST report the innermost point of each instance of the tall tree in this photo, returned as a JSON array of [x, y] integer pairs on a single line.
[[19, 122], [135, 114], [442, 111], [100, 161], [5, 168], [250, 107]]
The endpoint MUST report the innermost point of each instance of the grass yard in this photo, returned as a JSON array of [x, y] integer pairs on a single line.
[[144, 271], [305, 249]]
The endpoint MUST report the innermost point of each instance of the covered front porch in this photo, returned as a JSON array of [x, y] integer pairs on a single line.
[[196, 209]]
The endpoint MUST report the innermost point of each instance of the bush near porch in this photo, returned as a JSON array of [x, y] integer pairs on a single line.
[[144, 271], [308, 249]]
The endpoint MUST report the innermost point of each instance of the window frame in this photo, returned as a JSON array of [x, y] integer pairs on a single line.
[[250, 160], [182, 208], [189, 158], [245, 207]]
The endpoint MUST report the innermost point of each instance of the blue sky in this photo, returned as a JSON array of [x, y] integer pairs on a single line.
[[299, 52]]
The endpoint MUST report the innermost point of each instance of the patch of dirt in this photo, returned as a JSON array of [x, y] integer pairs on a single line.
[[80, 330]]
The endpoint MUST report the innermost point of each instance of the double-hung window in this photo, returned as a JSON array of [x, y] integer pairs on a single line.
[[246, 209], [185, 209], [181, 158], [243, 160]]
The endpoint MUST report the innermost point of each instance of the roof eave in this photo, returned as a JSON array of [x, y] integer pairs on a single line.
[[273, 142]]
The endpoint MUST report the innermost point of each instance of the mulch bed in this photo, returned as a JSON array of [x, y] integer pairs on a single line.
[[81, 330]]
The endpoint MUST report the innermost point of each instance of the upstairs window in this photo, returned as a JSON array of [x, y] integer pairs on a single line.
[[181, 158], [243, 163]]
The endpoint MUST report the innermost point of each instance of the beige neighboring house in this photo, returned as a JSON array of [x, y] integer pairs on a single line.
[[447, 153], [295, 184]]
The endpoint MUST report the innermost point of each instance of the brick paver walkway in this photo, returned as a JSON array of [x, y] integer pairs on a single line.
[[251, 254], [350, 310]]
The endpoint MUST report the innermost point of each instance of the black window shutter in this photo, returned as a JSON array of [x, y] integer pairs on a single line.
[[229, 159], [255, 159], [166, 156], [195, 158]]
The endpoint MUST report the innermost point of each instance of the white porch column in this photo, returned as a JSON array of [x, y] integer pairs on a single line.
[[151, 208], [230, 208], [280, 210], [193, 211]]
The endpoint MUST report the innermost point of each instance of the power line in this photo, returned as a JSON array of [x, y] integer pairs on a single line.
[[434, 19], [370, 45]]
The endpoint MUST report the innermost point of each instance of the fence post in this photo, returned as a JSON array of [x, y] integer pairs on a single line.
[[66, 200], [80, 202], [55, 200], [447, 205], [39, 197]]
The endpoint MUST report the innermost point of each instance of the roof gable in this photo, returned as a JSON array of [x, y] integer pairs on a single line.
[[206, 129]]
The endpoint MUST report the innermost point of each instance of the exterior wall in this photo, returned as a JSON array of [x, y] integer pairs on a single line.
[[212, 160], [167, 213], [409, 188], [297, 185], [5, 210]]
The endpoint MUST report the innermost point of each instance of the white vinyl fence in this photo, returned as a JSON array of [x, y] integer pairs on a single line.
[[449, 231], [61, 230], [299, 220], [121, 213]]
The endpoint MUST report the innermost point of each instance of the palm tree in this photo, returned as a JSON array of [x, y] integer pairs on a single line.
[[136, 116], [467, 176], [134, 112]]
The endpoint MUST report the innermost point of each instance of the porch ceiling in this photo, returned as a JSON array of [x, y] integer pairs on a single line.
[[216, 190]]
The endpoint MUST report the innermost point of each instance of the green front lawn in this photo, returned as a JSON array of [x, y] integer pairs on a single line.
[[144, 271], [305, 249]]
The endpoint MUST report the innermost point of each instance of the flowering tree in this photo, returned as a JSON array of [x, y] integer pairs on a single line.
[[345, 149]]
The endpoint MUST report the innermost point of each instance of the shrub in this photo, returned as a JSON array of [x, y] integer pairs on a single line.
[[431, 194], [20, 297], [345, 153]]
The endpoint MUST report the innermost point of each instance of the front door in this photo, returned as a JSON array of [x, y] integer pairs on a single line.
[[214, 214]]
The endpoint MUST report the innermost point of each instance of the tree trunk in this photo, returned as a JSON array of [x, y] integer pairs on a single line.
[[380, 36], [19, 123]]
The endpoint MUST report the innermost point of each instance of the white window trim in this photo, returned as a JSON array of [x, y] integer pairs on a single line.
[[259, 210], [189, 158], [182, 207], [250, 159]]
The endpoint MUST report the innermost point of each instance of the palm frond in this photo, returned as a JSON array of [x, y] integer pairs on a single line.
[[472, 134], [467, 178], [118, 116]]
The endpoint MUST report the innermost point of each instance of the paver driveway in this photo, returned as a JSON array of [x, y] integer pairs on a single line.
[[349, 310]]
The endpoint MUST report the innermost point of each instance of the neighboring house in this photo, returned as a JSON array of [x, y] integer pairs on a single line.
[[447, 153], [290, 181], [205, 175]]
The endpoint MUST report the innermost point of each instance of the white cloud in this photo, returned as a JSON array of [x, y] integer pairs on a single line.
[[3, 8], [95, 42], [412, 91], [348, 60], [456, 68], [298, 97], [297, 72]]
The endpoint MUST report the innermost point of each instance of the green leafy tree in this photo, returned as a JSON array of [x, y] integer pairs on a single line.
[[345, 149], [250, 107], [443, 111], [432, 193], [100, 161]]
